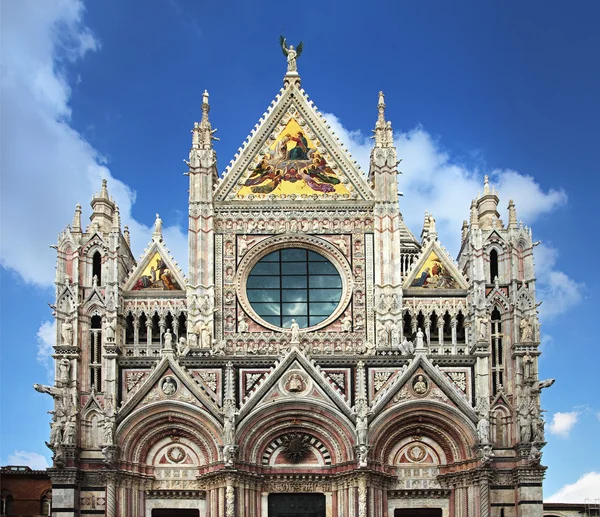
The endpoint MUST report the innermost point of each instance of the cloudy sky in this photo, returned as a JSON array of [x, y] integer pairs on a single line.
[[111, 89]]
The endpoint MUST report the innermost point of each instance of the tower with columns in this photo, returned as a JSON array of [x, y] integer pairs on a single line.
[[316, 358]]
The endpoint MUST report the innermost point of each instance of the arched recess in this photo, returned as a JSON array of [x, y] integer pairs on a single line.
[[331, 429], [91, 425], [443, 428], [139, 434], [501, 426]]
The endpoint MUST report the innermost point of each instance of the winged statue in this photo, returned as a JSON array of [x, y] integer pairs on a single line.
[[291, 53]]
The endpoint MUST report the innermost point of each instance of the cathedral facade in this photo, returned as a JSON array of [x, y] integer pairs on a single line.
[[316, 359]]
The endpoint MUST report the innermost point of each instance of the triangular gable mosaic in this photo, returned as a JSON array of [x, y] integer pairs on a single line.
[[292, 154], [293, 164], [435, 270], [155, 272]]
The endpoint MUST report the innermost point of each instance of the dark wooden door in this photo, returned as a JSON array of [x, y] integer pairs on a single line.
[[166, 512], [296, 505], [418, 512]]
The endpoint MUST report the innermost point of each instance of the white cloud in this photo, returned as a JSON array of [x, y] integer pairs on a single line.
[[47, 166], [31, 459], [434, 181], [558, 291], [563, 423], [46, 339], [587, 487]]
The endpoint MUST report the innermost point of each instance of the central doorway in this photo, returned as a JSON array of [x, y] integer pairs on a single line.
[[166, 512], [418, 512], [296, 505]]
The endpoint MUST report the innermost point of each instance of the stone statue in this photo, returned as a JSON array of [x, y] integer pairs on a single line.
[[482, 329], [526, 330], [168, 340], [524, 417], [346, 323], [64, 367], [69, 433], [483, 429], [192, 341], [538, 425], [56, 432], [363, 451], [229, 422], [406, 347], [487, 454], [109, 332], [158, 225], [396, 335], [243, 323], [229, 454], [182, 347], [341, 243], [382, 337], [420, 386], [295, 330], [420, 342], [207, 305], [66, 332], [295, 383], [535, 455], [291, 54], [107, 437]]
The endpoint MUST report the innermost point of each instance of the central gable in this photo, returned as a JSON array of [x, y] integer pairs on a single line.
[[292, 154]]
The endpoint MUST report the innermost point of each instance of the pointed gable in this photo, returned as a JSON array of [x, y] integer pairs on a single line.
[[435, 270], [295, 376], [292, 154], [169, 382], [422, 380], [156, 271]]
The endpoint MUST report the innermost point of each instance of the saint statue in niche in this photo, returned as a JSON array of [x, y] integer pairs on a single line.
[[295, 383], [168, 386], [420, 385]]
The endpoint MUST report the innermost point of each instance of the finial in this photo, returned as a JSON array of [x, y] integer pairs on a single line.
[[157, 234], [486, 185], [127, 236], [104, 189], [77, 218], [384, 135], [474, 217], [464, 230], [203, 133]]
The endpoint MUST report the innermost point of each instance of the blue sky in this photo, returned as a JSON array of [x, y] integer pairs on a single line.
[[111, 89]]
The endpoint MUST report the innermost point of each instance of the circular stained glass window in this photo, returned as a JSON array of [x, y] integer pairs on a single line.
[[294, 284]]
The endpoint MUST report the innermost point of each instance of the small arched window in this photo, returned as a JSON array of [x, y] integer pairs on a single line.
[[497, 352], [493, 265], [520, 263], [97, 267]]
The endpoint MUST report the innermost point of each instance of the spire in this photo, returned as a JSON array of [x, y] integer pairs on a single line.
[[487, 207], [384, 135], [127, 236], [425, 230], [76, 226], [203, 133], [102, 209], [512, 215], [486, 185]]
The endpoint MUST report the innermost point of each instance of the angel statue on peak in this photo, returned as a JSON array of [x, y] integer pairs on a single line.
[[291, 54]]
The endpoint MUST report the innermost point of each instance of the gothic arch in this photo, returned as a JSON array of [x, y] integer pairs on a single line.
[[141, 430], [327, 425], [441, 424]]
